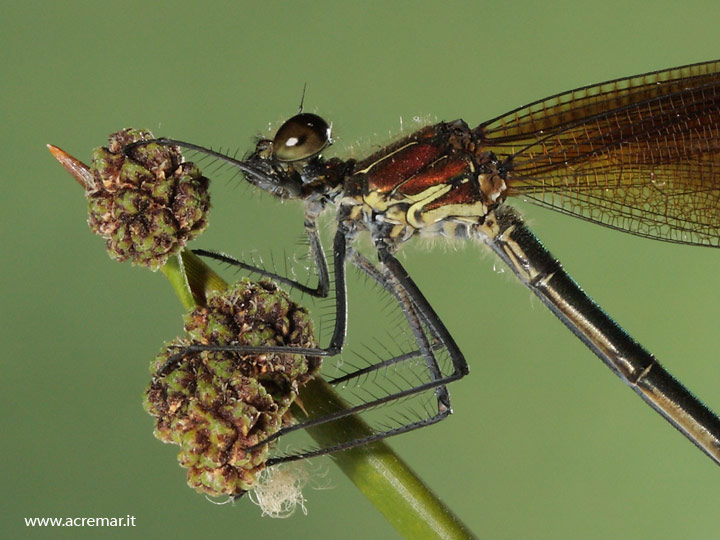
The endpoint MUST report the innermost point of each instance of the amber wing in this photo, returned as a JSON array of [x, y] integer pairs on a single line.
[[640, 154]]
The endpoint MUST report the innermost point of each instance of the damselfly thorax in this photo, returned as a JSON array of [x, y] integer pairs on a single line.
[[437, 181]]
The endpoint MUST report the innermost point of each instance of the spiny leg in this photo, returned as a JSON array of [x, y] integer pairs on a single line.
[[339, 333], [419, 315]]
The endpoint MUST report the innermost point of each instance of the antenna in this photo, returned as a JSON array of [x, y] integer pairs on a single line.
[[302, 99]]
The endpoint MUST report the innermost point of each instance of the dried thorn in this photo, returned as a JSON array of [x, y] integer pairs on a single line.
[[77, 169]]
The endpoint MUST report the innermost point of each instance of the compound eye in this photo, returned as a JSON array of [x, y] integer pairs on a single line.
[[301, 137]]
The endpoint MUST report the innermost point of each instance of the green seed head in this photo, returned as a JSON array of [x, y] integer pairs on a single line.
[[216, 405], [146, 207]]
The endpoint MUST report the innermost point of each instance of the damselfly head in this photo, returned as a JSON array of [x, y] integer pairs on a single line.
[[289, 163]]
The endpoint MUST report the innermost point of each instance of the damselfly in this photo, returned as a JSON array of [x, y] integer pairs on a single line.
[[638, 154]]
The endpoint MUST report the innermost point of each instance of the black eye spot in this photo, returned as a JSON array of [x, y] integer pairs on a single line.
[[301, 137]]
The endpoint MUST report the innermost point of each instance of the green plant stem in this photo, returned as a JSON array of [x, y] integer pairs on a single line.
[[385, 479], [379, 473], [175, 272]]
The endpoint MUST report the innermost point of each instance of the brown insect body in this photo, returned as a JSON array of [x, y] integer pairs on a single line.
[[437, 180]]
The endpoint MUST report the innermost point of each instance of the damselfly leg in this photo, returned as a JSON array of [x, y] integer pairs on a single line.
[[415, 380]]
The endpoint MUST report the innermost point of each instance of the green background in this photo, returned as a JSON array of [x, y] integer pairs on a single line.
[[544, 442]]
